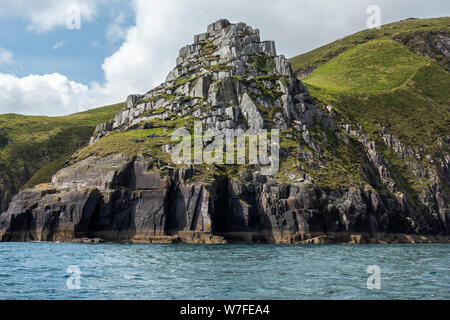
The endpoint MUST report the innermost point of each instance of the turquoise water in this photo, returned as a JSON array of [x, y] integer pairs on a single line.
[[134, 271]]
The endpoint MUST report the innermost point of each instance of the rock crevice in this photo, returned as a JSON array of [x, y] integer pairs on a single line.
[[229, 79]]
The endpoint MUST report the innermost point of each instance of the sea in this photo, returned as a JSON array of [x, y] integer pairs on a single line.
[[72, 271]]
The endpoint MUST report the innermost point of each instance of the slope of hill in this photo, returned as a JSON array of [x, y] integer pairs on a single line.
[[423, 36], [365, 158], [382, 82], [36, 147], [393, 85]]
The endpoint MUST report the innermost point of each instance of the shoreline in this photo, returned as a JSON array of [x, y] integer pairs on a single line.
[[259, 238]]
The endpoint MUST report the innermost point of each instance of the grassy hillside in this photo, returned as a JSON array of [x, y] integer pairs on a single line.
[[383, 82], [373, 67], [424, 30], [396, 77], [36, 147], [368, 78], [378, 79]]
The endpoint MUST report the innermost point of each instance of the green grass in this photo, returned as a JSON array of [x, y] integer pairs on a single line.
[[368, 77], [138, 141], [40, 145], [183, 81], [373, 67], [263, 64], [377, 82], [45, 174], [371, 80], [313, 59], [410, 97]]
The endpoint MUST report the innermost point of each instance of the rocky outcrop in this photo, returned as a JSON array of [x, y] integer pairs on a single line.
[[120, 201], [129, 203], [230, 71], [228, 79], [432, 214], [431, 44]]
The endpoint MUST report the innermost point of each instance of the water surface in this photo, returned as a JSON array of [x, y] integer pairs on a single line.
[[140, 271]]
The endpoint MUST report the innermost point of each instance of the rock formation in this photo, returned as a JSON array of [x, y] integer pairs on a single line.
[[227, 79]]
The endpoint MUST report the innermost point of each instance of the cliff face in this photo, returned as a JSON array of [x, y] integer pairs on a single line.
[[333, 183], [117, 199]]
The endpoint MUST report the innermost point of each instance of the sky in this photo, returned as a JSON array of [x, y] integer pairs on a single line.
[[52, 65]]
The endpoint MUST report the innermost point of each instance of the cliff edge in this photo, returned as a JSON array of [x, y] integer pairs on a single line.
[[332, 185]]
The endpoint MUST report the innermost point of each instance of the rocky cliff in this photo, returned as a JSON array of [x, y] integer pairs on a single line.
[[33, 148], [334, 185]]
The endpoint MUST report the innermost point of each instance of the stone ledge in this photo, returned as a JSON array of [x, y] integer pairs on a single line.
[[218, 25]]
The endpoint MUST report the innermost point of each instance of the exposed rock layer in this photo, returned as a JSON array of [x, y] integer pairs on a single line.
[[129, 203], [228, 79]]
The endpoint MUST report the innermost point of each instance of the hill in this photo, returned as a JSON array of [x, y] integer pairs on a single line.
[[393, 82], [422, 36], [363, 148], [33, 148]]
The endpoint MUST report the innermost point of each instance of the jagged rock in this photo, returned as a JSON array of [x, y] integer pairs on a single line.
[[130, 203], [219, 25], [132, 100], [201, 87], [280, 121], [251, 113], [222, 66], [228, 78]]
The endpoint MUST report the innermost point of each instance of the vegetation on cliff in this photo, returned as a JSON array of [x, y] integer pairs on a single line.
[[33, 148], [364, 146], [422, 29], [393, 80]]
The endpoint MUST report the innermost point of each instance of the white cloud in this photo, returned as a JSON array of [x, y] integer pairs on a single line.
[[116, 31], [58, 45], [44, 15], [164, 26], [48, 94], [149, 48], [6, 57]]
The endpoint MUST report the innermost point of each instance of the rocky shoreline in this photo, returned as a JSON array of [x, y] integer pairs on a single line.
[[118, 199], [228, 79], [291, 239]]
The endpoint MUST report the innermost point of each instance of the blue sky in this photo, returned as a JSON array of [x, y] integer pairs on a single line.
[[79, 54], [129, 46]]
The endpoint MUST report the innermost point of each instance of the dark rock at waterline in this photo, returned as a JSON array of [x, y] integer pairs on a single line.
[[122, 201], [230, 79]]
